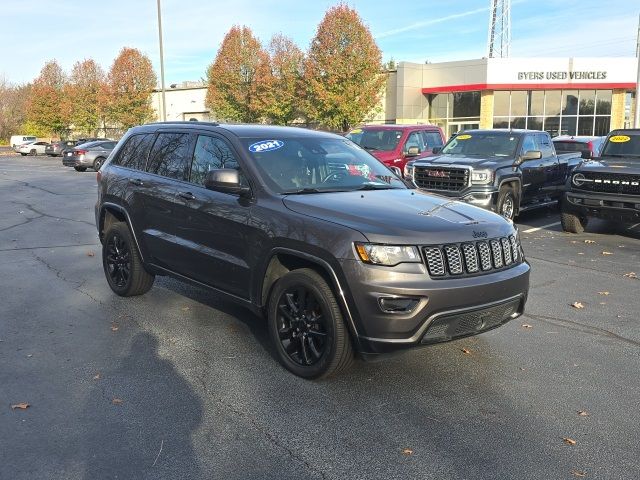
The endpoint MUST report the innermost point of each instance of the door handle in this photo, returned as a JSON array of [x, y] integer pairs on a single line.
[[187, 195], [136, 181]]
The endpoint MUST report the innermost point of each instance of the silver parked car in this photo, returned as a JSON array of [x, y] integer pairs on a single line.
[[88, 155], [32, 148]]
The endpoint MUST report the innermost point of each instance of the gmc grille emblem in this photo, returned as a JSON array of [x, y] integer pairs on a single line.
[[438, 173]]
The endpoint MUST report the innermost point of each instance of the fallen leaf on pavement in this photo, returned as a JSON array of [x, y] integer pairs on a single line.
[[407, 451], [583, 413], [90, 254], [603, 293], [589, 241], [577, 305], [185, 309], [96, 376], [20, 406], [569, 441], [114, 328], [116, 401], [526, 325], [604, 252], [578, 473], [631, 275], [466, 351]]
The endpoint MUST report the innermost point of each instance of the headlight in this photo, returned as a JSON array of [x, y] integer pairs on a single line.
[[389, 255], [481, 177], [408, 170]]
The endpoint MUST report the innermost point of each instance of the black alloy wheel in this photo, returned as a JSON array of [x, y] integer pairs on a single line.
[[301, 327], [118, 261], [306, 325], [122, 264]]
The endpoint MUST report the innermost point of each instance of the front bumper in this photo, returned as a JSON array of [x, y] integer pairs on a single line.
[[442, 310], [606, 206], [481, 196]]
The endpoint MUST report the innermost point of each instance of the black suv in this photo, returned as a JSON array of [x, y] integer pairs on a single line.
[[310, 230]]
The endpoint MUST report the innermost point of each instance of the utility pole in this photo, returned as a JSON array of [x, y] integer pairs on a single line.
[[164, 103], [636, 116]]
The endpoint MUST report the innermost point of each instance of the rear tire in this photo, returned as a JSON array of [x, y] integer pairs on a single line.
[[122, 264], [80, 169], [306, 326], [23, 154], [33, 152]]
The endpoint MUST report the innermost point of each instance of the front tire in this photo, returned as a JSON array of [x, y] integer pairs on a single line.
[[122, 264], [80, 169], [306, 326], [506, 205], [97, 163], [33, 152], [572, 223]]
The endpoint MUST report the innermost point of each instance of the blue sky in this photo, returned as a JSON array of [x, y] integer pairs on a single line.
[[34, 31]]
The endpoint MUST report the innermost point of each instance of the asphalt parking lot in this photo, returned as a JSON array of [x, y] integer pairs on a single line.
[[179, 384]]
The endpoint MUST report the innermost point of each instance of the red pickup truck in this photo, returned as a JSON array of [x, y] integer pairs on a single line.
[[395, 145]]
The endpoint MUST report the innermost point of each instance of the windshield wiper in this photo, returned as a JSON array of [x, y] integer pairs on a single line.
[[375, 186], [308, 190], [370, 148]]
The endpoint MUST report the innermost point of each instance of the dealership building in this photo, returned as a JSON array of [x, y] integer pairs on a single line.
[[574, 96]]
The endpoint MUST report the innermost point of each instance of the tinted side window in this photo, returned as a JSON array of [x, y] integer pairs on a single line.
[[414, 140], [134, 153], [211, 153], [528, 144], [169, 156], [432, 139], [544, 144]]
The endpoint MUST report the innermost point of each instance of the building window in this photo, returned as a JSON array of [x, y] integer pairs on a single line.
[[455, 111], [559, 112]]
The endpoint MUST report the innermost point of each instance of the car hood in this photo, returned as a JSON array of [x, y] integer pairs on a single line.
[[402, 216], [623, 165], [472, 161]]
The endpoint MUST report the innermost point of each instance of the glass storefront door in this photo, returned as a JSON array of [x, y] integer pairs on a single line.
[[455, 127]]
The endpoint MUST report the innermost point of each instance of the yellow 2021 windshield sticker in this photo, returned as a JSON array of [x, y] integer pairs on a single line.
[[463, 137], [619, 138]]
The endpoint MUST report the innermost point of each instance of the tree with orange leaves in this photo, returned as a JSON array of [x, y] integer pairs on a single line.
[[287, 89], [130, 83], [343, 71], [83, 96], [46, 114], [239, 79]]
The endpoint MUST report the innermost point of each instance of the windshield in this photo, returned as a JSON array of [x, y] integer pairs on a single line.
[[487, 144], [622, 146], [382, 139], [318, 164]]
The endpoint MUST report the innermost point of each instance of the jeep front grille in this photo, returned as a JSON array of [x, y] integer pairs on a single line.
[[472, 257], [441, 178]]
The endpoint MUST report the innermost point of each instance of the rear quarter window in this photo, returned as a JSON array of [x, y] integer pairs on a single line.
[[134, 153]]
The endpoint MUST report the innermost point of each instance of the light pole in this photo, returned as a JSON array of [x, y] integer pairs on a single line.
[[636, 116], [164, 103]]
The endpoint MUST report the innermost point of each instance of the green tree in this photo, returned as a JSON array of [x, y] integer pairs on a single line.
[[130, 83], [287, 88], [83, 96], [13, 108], [343, 70], [239, 79], [46, 112]]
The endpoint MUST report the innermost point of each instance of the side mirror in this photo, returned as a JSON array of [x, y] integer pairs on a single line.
[[226, 180], [436, 150], [412, 151], [586, 155], [532, 155]]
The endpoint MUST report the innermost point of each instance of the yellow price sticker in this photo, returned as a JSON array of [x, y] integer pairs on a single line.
[[619, 138], [463, 137]]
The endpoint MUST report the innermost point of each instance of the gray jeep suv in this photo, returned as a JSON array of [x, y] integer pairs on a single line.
[[310, 230]]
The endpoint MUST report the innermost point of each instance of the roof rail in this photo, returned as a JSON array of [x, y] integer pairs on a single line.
[[185, 122]]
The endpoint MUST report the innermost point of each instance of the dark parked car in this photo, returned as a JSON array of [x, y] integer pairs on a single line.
[[56, 148], [569, 143], [81, 141], [309, 229], [88, 155], [607, 187], [506, 171]]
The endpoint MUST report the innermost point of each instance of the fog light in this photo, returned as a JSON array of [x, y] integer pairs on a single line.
[[397, 304]]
